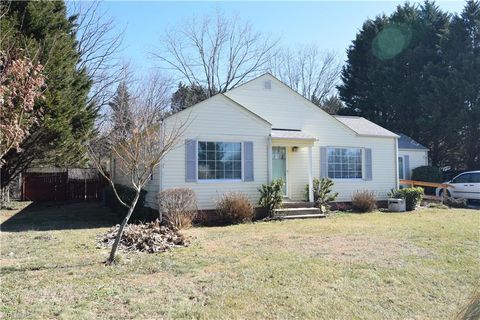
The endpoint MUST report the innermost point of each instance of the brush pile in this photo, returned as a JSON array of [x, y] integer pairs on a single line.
[[148, 237]]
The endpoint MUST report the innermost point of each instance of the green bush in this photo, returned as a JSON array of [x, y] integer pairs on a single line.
[[127, 194], [271, 196], [412, 196], [427, 174], [322, 193]]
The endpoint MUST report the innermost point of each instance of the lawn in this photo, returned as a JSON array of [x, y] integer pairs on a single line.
[[420, 265]]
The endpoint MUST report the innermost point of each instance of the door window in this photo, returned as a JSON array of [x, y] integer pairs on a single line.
[[475, 177]]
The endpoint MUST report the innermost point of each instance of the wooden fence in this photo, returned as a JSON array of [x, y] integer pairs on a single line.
[[78, 185], [414, 183]]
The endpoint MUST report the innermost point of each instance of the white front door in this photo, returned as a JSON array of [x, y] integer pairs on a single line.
[[279, 165]]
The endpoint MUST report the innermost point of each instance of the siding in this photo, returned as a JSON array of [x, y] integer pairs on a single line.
[[218, 119], [417, 159], [288, 110]]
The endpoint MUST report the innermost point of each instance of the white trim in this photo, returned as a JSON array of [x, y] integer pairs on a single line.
[[310, 174]]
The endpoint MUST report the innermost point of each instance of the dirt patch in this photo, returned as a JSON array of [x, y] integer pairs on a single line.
[[370, 250]]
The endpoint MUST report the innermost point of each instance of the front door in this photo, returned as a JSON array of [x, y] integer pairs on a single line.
[[279, 165]]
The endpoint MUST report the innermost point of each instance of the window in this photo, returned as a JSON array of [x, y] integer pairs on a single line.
[[400, 168], [344, 163], [475, 178], [219, 160], [464, 178]]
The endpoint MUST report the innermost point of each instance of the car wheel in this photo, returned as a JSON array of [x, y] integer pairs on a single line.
[[441, 193]]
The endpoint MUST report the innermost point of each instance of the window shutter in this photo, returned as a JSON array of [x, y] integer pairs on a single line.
[[368, 164], [323, 163], [406, 160], [190, 160], [248, 161]]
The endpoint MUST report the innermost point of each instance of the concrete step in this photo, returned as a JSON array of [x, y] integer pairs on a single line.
[[304, 216], [298, 204], [296, 211]]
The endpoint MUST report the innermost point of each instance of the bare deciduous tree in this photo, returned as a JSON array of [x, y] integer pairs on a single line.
[[216, 52], [309, 71], [139, 145], [99, 43]]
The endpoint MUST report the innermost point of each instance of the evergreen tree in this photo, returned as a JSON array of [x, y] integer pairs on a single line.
[[187, 95], [43, 28], [397, 75], [120, 106]]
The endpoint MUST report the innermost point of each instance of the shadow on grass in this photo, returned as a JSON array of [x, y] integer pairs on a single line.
[[60, 216], [12, 269]]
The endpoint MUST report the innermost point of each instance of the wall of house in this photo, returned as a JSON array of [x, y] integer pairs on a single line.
[[417, 158], [221, 120], [287, 110]]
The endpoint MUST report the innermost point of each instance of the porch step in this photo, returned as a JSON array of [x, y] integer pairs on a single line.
[[305, 216], [296, 211], [298, 204]]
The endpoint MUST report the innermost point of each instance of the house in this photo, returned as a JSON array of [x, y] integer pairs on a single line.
[[411, 155], [264, 130]]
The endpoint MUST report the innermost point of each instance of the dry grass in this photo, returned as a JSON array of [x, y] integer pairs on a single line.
[[420, 265]]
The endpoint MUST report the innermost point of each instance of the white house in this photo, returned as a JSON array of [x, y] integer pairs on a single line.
[[263, 130], [411, 155]]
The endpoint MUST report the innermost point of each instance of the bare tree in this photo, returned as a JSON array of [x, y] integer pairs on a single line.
[[309, 71], [99, 43], [139, 145], [216, 52]]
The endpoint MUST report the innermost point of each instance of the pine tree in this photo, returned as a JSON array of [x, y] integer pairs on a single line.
[[44, 29], [120, 106], [187, 95]]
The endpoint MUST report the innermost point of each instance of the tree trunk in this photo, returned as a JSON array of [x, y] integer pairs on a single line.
[[122, 227]]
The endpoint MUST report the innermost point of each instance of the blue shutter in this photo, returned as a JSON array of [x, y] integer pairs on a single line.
[[248, 161], [368, 164], [190, 160], [406, 164], [323, 163]]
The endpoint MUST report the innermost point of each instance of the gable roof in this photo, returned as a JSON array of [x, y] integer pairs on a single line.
[[227, 98], [405, 142], [374, 131], [365, 127]]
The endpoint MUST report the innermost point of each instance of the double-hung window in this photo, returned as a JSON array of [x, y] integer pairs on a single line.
[[401, 168], [219, 160], [344, 163]]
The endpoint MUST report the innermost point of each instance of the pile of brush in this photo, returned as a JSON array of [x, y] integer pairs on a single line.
[[148, 237]]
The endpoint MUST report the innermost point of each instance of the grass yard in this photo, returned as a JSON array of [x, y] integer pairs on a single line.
[[420, 265]]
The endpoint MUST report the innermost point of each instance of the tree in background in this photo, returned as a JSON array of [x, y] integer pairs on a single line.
[[120, 109], [410, 72], [68, 118], [307, 70], [187, 95], [217, 52], [332, 104]]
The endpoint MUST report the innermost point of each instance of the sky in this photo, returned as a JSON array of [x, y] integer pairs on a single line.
[[327, 24]]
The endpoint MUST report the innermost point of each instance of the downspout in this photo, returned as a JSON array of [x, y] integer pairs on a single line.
[[269, 158], [396, 164]]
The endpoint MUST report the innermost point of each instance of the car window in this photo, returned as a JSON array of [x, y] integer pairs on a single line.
[[464, 178], [475, 177]]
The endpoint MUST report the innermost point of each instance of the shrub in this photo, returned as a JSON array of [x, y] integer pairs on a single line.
[[271, 196], [428, 174], [234, 207], [364, 201], [178, 207], [412, 196], [322, 193], [127, 194]]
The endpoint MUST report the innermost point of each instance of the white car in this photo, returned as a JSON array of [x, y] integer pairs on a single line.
[[467, 186]]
